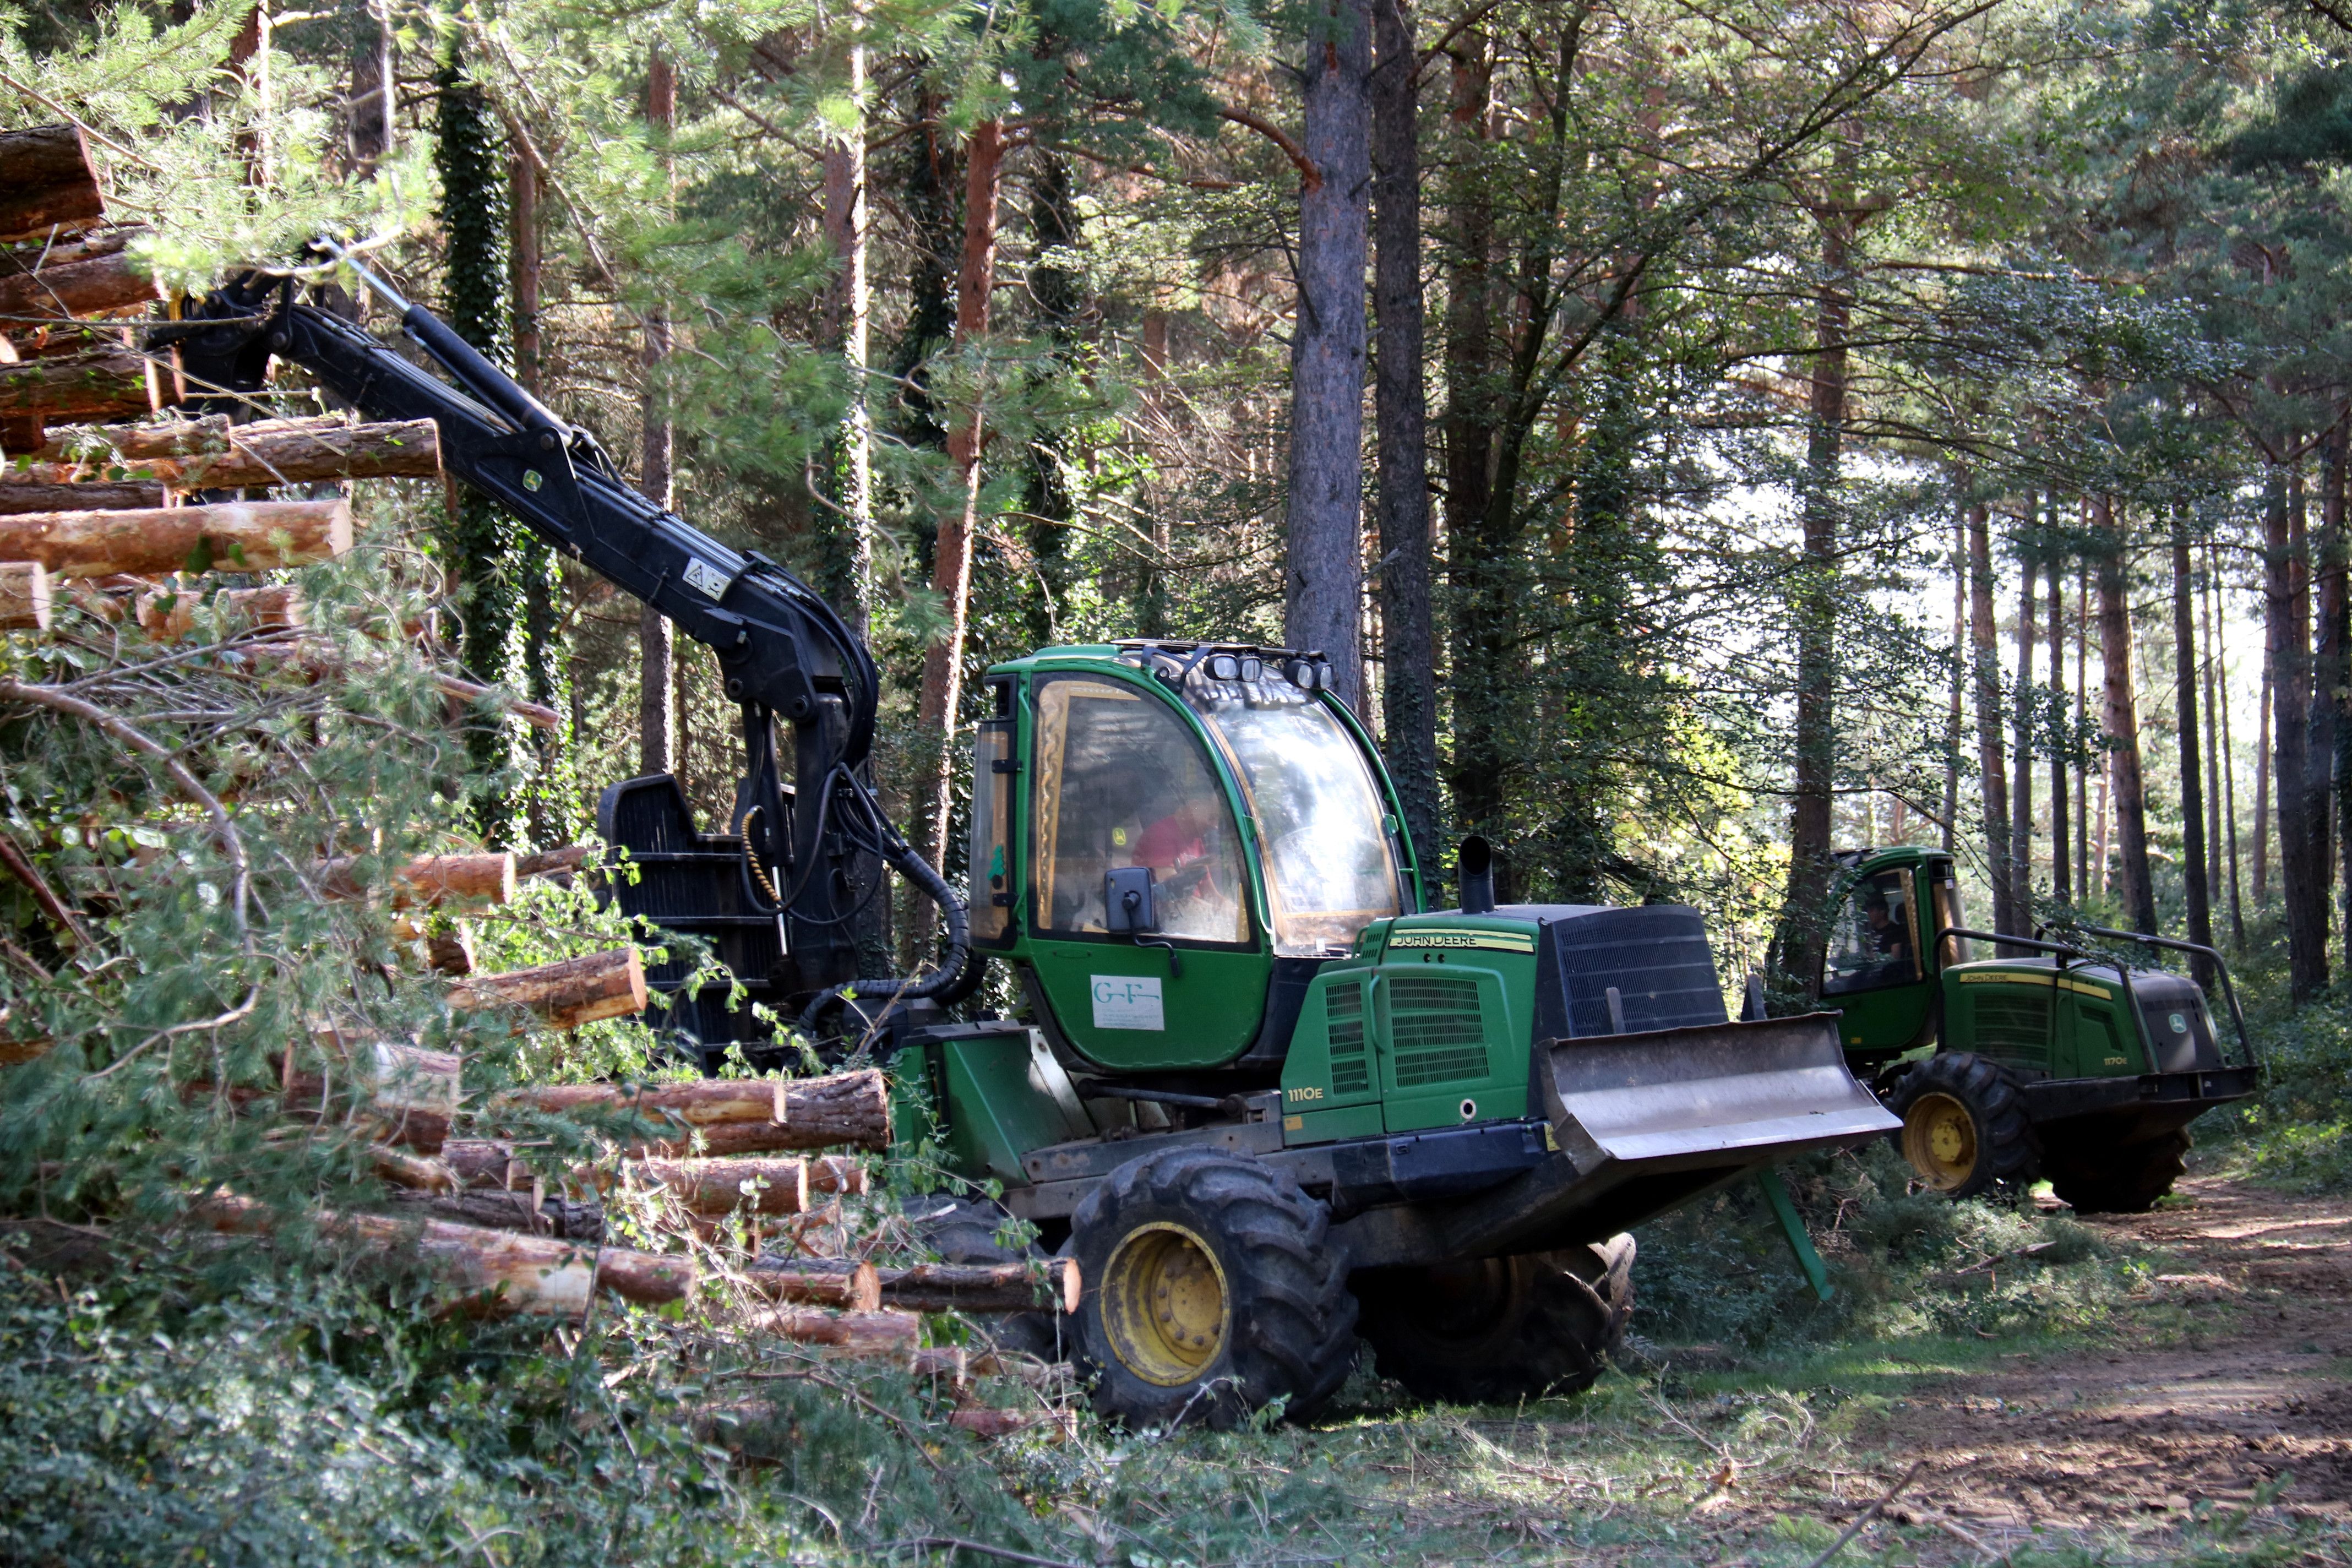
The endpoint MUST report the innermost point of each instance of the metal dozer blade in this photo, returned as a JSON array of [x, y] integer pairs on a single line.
[[1647, 1122]]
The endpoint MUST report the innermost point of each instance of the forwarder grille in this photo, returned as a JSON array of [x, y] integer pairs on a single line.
[[1435, 1031], [1351, 1070]]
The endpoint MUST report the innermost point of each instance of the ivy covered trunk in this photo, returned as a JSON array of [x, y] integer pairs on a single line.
[[487, 574]]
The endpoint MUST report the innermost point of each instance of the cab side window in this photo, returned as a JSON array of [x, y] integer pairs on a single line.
[[1121, 782], [1875, 941]]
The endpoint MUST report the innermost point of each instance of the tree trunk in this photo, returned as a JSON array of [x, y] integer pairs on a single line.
[[2061, 849], [2138, 890], [254, 536], [1323, 586], [658, 751], [2262, 878], [2225, 761], [2286, 615], [1992, 769], [2319, 585], [2020, 799], [563, 996], [942, 693], [265, 453], [46, 182], [850, 307], [1955, 716], [1409, 673], [375, 98], [736, 1116], [2082, 725], [2192, 773], [1053, 1285], [59, 282], [1468, 432], [2335, 664], [1805, 916]]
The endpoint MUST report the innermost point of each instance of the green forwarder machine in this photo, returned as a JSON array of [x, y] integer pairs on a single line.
[[1263, 1097], [2057, 1062]]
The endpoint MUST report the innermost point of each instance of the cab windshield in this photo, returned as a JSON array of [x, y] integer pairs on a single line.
[[1330, 866]]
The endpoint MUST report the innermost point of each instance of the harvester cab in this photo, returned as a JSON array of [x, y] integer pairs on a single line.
[[2042, 1059]]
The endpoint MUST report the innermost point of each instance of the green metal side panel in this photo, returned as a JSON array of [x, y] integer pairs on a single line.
[[1891, 1018], [993, 1109], [1205, 1016]]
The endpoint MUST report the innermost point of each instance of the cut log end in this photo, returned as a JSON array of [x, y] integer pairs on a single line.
[[24, 597]]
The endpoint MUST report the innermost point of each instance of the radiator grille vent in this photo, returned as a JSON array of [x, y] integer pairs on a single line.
[[1435, 1029], [2006, 1021], [1352, 1071]]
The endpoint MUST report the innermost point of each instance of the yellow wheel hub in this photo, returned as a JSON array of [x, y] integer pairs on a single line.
[[1940, 1139], [1164, 1304]]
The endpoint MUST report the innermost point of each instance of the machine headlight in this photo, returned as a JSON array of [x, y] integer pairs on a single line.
[[1224, 667]]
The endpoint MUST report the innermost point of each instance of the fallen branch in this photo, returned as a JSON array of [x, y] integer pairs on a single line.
[[1861, 1523], [20, 866]]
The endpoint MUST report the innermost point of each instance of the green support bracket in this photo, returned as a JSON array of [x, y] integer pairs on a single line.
[[1793, 1226]]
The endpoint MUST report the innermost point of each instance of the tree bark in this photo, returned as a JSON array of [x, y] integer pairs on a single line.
[[61, 281], [2261, 876], [1955, 716], [942, 692], [2192, 772], [563, 996], [2138, 892], [370, 108], [99, 382], [740, 1115], [1053, 1285], [1323, 560], [1991, 768], [2331, 697], [1804, 919], [428, 880], [257, 536], [46, 182], [891, 1335], [2223, 797], [839, 1283], [850, 307], [2303, 886], [2081, 726], [656, 638], [2020, 799], [2061, 847], [1409, 651], [726, 1186], [24, 597], [271, 452], [1479, 604], [2319, 585]]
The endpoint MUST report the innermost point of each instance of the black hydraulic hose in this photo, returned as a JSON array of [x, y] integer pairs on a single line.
[[901, 855]]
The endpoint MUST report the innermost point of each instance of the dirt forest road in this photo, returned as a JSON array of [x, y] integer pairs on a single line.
[[2249, 1387]]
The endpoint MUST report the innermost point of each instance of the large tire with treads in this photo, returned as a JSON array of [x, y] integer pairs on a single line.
[[1497, 1330], [1965, 1127], [966, 1232], [1212, 1290], [2104, 1177]]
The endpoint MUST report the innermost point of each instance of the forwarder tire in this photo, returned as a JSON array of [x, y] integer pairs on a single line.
[[1497, 1330], [2108, 1178], [966, 1233], [1965, 1129], [1212, 1290]]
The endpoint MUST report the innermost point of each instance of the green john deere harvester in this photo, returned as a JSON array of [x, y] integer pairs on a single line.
[[2055, 1062], [1267, 1100]]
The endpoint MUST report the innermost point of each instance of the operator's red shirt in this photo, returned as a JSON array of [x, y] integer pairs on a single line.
[[1169, 843]]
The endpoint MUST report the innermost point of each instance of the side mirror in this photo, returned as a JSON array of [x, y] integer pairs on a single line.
[[1129, 906]]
